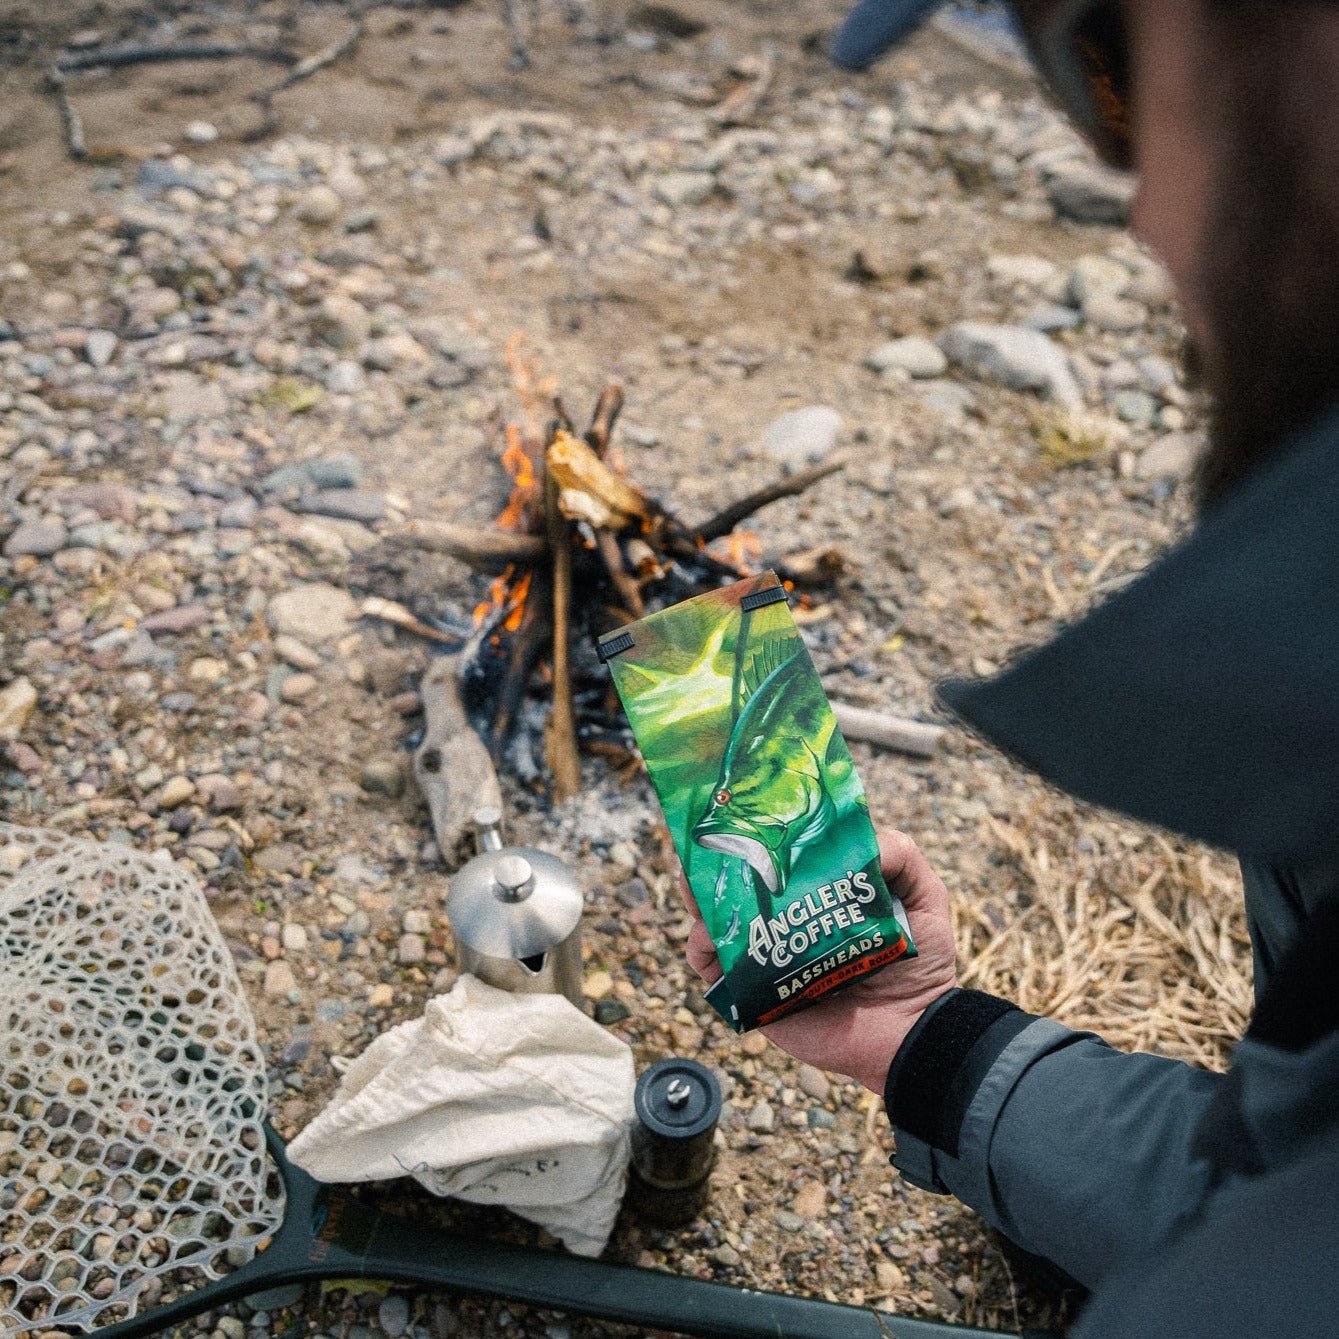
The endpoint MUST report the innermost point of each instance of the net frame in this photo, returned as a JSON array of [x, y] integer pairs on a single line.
[[132, 1087]]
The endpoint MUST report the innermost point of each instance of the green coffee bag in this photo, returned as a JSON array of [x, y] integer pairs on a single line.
[[761, 797]]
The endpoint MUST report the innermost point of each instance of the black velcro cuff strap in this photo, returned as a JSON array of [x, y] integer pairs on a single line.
[[939, 1067]]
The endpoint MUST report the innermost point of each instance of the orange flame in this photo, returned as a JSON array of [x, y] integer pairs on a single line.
[[507, 589], [525, 486], [742, 549]]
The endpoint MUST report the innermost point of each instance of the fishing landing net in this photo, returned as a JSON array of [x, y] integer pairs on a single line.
[[132, 1088]]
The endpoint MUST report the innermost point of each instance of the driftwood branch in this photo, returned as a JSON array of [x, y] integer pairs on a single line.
[[890, 732], [486, 548], [451, 766], [304, 69], [725, 520], [72, 126], [560, 742], [117, 57]]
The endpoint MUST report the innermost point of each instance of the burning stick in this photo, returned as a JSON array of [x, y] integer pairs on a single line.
[[602, 420], [560, 743], [725, 520]]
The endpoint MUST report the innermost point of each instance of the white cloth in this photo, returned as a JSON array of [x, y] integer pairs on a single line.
[[516, 1100]]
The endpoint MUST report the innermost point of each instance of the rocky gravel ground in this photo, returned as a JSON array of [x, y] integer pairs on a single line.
[[230, 373]]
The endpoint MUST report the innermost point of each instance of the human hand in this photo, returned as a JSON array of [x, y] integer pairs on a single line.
[[859, 1030]]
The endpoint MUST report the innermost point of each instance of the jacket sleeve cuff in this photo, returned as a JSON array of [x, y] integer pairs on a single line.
[[941, 1064]]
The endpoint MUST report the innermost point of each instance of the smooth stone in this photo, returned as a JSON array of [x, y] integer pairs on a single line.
[[814, 1083], [36, 539], [296, 653], [294, 938], [184, 618], [342, 322], [1015, 357], [803, 436], [318, 206], [1031, 271], [947, 398], [611, 1011], [383, 776], [1050, 318], [1172, 457], [99, 346], [1137, 408], [1115, 315], [345, 504], [762, 1119], [345, 378], [176, 791], [297, 687], [685, 189], [279, 979], [393, 353], [1088, 193], [17, 702], [239, 514], [410, 950], [342, 471], [312, 612], [915, 356], [393, 1315]]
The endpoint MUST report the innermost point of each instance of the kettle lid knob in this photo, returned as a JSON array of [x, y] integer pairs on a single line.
[[514, 877]]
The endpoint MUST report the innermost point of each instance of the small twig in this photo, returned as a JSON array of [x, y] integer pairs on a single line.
[[389, 611], [724, 521], [560, 741], [72, 125], [607, 409], [115, 57], [624, 583], [304, 69]]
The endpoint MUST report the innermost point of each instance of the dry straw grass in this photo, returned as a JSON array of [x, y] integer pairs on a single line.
[[1136, 936]]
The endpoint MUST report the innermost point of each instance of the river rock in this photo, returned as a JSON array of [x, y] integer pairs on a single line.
[[1088, 193], [318, 206], [99, 346], [913, 355], [1172, 457], [312, 612], [37, 539], [17, 700], [1021, 359], [802, 437]]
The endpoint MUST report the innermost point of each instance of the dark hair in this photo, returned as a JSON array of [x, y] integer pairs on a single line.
[[1271, 275]]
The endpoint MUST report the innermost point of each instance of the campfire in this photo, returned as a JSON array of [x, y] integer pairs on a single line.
[[577, 550]]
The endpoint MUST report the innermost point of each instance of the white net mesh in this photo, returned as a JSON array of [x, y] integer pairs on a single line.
[[132, 1087]]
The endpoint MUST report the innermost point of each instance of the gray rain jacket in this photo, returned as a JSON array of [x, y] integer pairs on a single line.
[[1205, 698]]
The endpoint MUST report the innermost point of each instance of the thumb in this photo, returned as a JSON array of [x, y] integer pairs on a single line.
[[909, 874], [701, 953]]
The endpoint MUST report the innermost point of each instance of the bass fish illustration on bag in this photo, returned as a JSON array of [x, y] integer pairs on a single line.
[[761, 797]]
